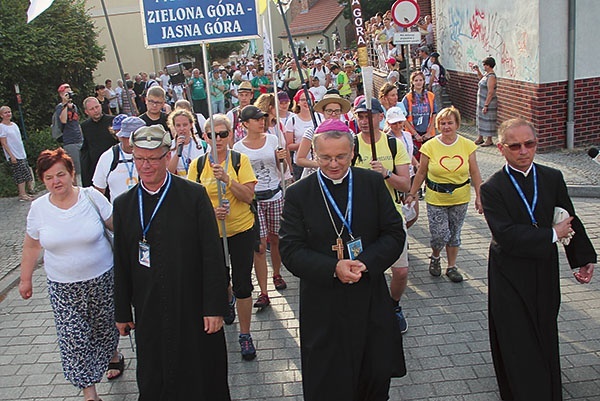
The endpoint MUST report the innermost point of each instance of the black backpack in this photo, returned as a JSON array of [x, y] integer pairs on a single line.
[[442, 80]]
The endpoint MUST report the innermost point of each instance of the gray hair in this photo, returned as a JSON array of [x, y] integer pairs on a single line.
[[514, 123]]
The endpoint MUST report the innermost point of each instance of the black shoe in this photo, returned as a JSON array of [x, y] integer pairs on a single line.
[[454, 275], [231, 315], [247, 346], [434, 267]]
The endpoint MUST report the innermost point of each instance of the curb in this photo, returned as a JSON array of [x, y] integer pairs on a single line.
[[584, 191], [8, 282]]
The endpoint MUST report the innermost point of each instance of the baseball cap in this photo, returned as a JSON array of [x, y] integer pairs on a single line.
[[435, 54], [129, 125], [63, 88], [151, 137], [117, 121], [424, 49], [394, 114], [251, 112], [332, 125], [375, 106], [391, 60], [245, 86], [283, 96]]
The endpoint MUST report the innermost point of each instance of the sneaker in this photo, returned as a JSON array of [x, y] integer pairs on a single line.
[[279, 282], [247, 346], [262, 301], [401, 319], [231, 315], [454, 275], [434, 267]]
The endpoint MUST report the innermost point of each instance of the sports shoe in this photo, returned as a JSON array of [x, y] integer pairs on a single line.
[[262, 301], [454, 275], [247, 346], [279, 282], [401, 319], [231, 315], [434, 267]]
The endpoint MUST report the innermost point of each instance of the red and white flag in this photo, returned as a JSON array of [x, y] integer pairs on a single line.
[[36, 7]]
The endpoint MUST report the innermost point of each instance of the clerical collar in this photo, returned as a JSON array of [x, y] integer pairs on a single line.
[[335, 182], [158, 190], [525, 173]]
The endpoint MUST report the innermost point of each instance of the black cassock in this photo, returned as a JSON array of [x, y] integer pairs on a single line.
[[524, 292], [350, 340], [187, 280]]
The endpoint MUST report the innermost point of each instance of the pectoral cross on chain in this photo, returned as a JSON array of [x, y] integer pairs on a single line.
[[339, 248]]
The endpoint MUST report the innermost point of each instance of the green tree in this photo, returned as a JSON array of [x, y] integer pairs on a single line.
[[58, 46]]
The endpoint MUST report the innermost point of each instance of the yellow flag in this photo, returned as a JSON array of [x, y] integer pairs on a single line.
[[262, 6]]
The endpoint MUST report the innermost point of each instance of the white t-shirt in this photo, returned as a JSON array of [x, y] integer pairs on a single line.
[[190, 152], [164, 81], [75, 248], [298, 126], [122, 178], [407, 141], [318, 92], [436, 68], [112, 103], [264, 164], [12, 133], [321, 74]]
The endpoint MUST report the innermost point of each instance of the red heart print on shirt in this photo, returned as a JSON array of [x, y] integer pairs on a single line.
[[452, 163]]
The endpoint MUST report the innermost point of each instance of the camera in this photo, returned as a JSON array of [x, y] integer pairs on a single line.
[[69, 95]]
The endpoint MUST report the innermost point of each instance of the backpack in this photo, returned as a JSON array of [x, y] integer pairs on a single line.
[[442, 80], [392, 145], [425, 67], [56, 127], [113, 165]]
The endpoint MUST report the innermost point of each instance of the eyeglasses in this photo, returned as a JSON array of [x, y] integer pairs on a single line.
[[153, 161], [155, 103], [332, 111], [221, 134], [337, 159], [517, 146]]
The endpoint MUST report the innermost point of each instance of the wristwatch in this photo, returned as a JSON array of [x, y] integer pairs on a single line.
[[388, 175]]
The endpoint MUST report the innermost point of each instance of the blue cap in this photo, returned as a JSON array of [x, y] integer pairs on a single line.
[[375, 106], [116, 122]]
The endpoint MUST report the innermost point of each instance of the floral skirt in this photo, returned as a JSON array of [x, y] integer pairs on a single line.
[[85, 325]]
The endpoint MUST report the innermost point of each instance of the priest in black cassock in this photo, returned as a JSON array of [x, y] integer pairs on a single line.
[[169, 268], [339, 232], [519, 204]]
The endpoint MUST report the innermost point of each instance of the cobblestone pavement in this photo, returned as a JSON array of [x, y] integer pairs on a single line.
[[447, 348]]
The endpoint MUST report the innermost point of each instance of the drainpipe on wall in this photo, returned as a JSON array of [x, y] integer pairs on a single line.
[[571, 77]]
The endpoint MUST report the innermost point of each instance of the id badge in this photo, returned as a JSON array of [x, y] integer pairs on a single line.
[[144, 254], [419, 121], [131, 182], [354, 248]]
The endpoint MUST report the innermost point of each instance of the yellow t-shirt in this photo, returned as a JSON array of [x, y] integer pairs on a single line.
[[240, 217], [448, 164], [384, 155]]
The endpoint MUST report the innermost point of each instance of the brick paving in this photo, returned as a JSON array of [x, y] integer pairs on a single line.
[[447, 348]]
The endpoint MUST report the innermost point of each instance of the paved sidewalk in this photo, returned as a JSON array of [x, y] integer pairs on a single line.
[[447, 348]]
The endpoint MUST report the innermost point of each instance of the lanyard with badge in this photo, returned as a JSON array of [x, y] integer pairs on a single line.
[[530, 208], [187, 160], [144, 246], [131, 181], [355, 245]]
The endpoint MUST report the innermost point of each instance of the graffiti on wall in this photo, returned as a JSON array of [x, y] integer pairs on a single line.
[[470, 30]]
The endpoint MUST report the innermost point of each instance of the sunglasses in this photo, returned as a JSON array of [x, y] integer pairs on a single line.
[[222, 134], [517, 146]]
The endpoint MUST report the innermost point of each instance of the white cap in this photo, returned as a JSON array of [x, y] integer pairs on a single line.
[[394, 114], [318, 61]]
